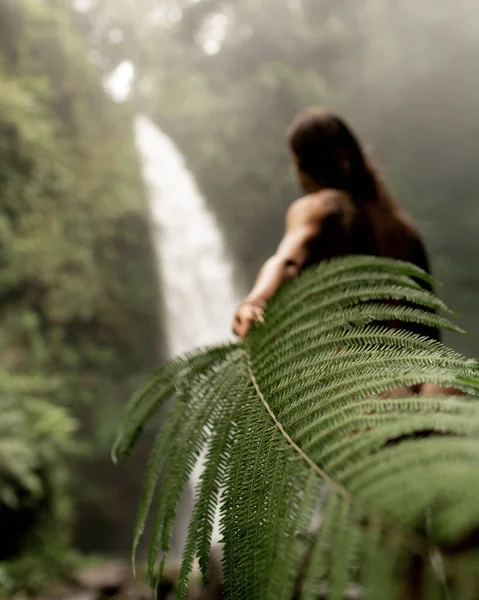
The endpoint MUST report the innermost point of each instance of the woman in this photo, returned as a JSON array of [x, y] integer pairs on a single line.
[[346, 209]]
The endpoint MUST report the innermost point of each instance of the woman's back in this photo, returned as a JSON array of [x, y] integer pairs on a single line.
[[367, 230], [348, 232], [376, 232]]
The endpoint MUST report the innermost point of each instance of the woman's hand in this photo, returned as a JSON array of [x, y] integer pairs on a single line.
[[248, 314]]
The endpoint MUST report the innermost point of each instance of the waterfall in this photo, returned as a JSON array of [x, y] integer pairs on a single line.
[[195, 276]]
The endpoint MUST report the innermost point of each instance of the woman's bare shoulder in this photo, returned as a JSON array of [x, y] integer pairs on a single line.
[[320, 206]]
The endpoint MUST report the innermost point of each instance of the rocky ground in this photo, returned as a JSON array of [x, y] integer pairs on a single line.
[[114, 580]]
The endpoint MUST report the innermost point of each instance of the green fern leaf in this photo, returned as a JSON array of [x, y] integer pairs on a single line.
[[298, 411]]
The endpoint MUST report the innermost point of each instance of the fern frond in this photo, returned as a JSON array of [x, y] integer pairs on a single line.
[[156, 460], [330, 272], [384, 566], [347, 538], [185, 450], [206, 501], [292, 530], [296, 414], [320, 559], [160, 388]]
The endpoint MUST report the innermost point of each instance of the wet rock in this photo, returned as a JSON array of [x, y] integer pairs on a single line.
[[170, 576], [215, 583], [108, 579], [61, 592], [171, 572], [138, 591], [56, 591], [195, 593], [84, 595]]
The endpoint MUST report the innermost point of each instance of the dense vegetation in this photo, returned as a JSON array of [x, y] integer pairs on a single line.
[[73, 234], [295, 421], [36, 507]]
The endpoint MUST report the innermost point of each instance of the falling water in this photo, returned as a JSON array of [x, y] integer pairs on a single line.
[[196, 277]]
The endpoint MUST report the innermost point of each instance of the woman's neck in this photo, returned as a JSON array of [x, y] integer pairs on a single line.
[[309, 185]]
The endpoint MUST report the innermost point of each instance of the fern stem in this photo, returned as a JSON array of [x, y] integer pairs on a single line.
[[416, 543], [338, 488]]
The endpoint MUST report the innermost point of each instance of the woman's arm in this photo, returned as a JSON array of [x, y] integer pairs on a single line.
[[285, 264], [303, 224], [277, 270]]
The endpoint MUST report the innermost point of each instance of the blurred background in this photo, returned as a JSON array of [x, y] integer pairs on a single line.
[[144, 179]]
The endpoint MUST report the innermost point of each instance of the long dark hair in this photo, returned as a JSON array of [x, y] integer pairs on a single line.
[[327, 154]]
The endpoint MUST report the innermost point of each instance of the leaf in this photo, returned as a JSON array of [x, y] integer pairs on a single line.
[[298, 410]]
